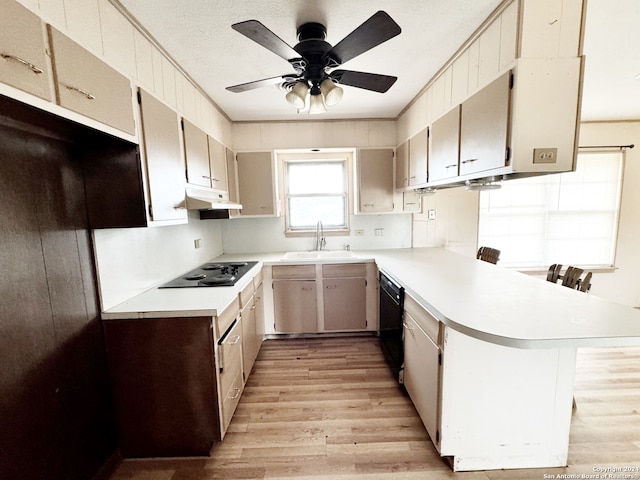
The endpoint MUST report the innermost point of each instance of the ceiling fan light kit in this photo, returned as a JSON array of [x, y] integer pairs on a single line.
[[315, 60]]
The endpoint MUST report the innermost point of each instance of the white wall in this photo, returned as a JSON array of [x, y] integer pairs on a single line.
[[132, 260], [245, 235]]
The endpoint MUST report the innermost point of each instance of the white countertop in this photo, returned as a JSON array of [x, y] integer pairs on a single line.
[[477, 298]]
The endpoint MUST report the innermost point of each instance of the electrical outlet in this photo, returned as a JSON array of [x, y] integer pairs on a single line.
[[379, 232], [198, 242], [545, 155], [432, 214], [359, 233]]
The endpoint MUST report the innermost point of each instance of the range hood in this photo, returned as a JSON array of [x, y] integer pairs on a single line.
[[207, 199]]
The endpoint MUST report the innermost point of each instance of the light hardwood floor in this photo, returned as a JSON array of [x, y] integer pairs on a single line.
[[329, 409]]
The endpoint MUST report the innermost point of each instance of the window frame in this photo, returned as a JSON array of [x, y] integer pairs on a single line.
[[321, 156]]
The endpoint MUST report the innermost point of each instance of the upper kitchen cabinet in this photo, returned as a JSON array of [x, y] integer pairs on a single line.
[[484, 127], [232, 175], [256, 184], [165, 166], [402, 165], [24, 63], [375, 180], [196, 153], [444, 150], [88, 86], [218, 165], [418, 157]]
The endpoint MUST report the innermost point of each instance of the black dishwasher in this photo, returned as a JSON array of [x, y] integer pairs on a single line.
[[391, 312]]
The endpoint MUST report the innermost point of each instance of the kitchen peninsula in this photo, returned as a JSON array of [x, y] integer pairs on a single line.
[[507, 342]]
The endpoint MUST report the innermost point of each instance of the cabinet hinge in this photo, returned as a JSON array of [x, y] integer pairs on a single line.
[[139, 97], [507, 155], [437, 436], [440, 358], [182, 124], [511, 81], [428, 132], [151, 211]]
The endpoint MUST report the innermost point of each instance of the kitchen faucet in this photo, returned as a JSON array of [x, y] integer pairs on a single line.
[[320, 241]]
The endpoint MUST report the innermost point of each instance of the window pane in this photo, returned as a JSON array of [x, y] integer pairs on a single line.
[[304, 212], [319, 177], [568, 218]]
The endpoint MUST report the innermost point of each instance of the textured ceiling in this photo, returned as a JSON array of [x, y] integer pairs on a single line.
[[198, 35]]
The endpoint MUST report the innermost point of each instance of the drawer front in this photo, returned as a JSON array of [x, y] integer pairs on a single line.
[[423, 318], [295, 271], [246, 295], [231, 398], [230, 352], [257, 280], [226, 318], [344, 270]]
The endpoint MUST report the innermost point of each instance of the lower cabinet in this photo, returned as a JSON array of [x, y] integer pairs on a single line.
[[316, 298], [344, 296], [422, 364], [176, 381], [163, 380], [252, 316], [295, 306]]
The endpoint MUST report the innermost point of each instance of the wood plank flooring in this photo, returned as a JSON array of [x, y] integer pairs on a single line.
[[329, 408]]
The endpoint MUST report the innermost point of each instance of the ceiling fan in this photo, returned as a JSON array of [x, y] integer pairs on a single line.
[[315, 61]]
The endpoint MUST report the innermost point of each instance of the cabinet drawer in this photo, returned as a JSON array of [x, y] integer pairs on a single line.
[[231, 398], [423, 318], [225, 318], [295, 271], [246, 294], [230, 354], [257, 280], [344, 270]]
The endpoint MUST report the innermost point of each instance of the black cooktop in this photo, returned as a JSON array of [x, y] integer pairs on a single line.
[[214, 274]]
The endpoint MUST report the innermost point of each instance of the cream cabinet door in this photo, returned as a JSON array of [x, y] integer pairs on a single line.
[[295, 306], [218, 165], [375, 180], [196, 153], [418, 155], [422, 375], [165, 167], [23, 59], [484, 127], [256, 183], [444, 154], [402, 165], [88, 86], [345, 306]]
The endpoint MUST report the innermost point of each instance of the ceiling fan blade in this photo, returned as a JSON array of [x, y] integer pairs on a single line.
[[260, 34], [369, 81], [379, 28], [243, 87]]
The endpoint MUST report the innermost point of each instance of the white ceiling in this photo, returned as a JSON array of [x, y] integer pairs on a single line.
[[198, 35]]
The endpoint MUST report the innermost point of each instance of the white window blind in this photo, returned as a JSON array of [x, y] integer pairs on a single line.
[[569, 218], [316, 191]]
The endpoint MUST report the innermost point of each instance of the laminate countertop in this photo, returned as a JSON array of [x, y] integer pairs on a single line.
[[479, 299]]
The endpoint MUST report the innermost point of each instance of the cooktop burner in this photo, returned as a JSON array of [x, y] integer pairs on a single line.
[[222, 274]]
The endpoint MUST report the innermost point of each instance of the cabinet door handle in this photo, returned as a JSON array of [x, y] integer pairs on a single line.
[[236, 394], [84, 93], [253, 307], [407, 326], [206, 176], [29, 65], [469, 160], [452, 165], [233, 340]]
